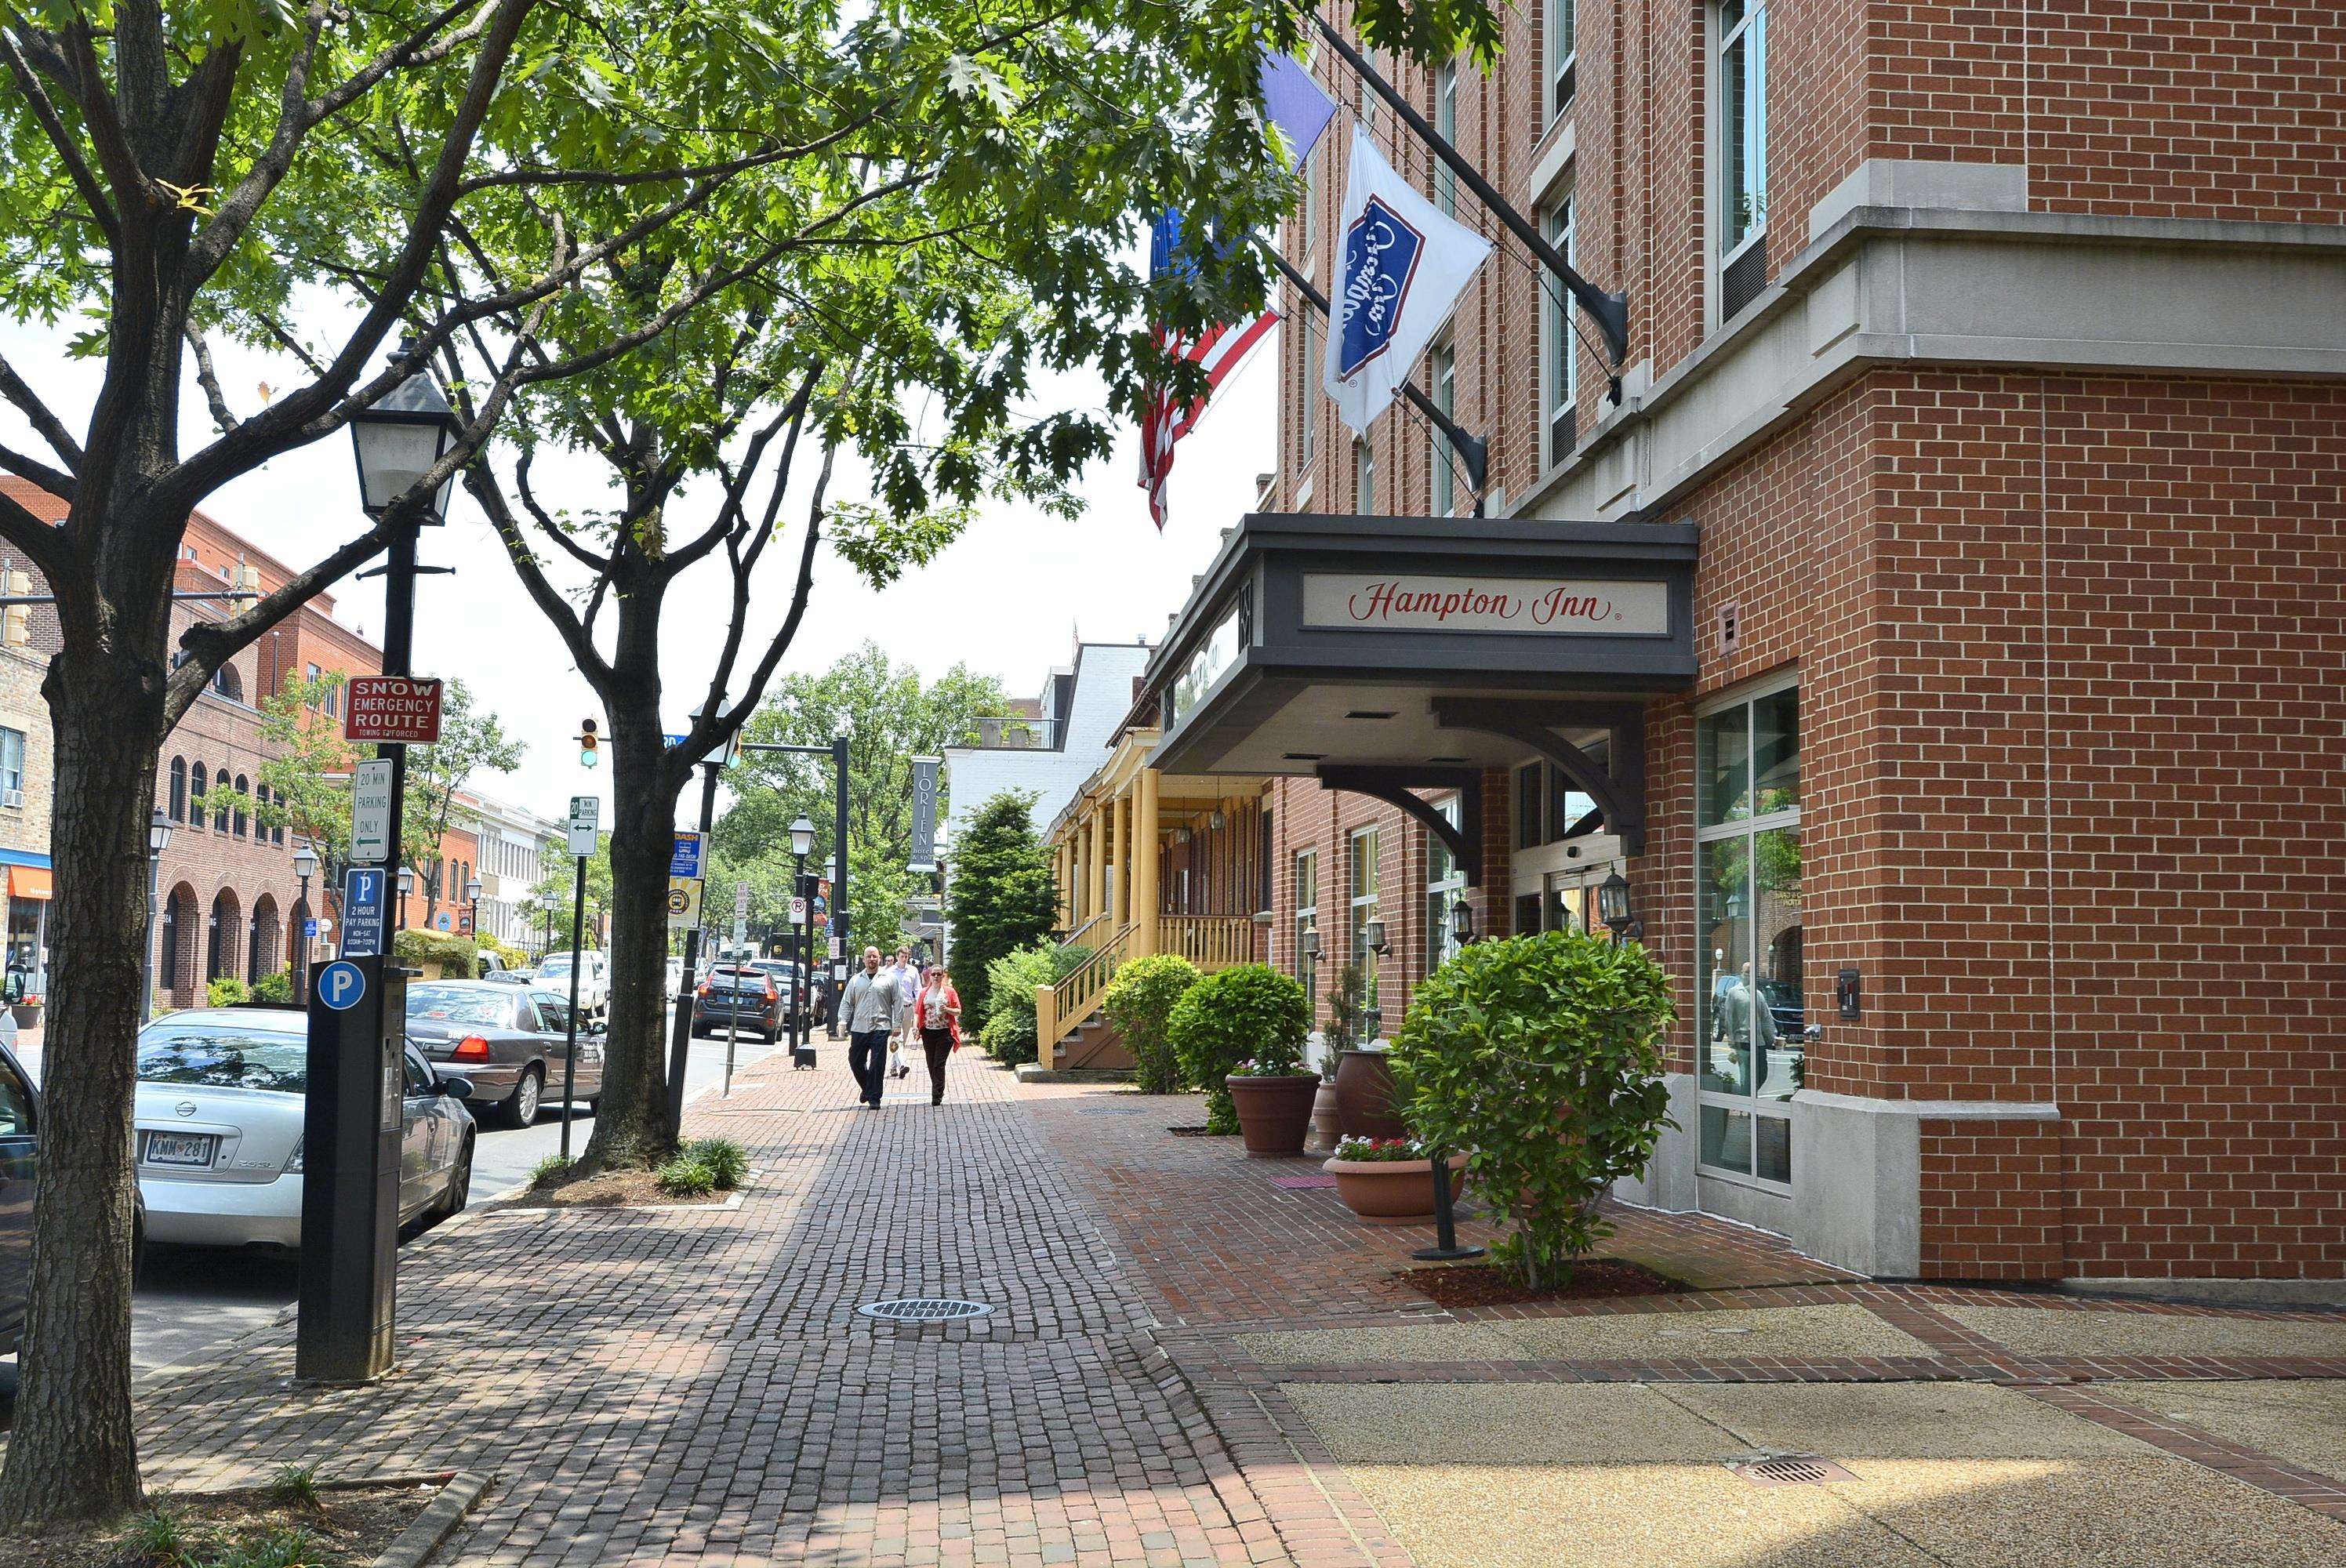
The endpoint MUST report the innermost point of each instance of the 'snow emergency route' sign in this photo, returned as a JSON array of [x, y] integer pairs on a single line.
[[395, 708]]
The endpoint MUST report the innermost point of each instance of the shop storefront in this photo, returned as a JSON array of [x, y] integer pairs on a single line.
[[26, 981]]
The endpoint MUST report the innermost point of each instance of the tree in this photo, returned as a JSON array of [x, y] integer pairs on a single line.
[[558, 890], [890, 716], [1003, 896], [469, 743], [184, 173]]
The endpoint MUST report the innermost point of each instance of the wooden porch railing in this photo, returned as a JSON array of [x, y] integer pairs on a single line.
[[1076, 937], [1059, 1009], [1210, 941]]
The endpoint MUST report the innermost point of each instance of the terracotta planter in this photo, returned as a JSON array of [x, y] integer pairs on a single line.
[[1364, 1105], [1391, 1192], [1274, 1113], [1323, 1120]]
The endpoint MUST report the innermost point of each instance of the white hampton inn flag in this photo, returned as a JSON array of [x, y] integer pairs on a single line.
[[1401, 266]]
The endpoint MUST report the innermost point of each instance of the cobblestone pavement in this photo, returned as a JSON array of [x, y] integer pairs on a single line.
[[695, 1386]]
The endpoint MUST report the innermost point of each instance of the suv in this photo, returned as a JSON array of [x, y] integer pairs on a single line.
[[745, 998], [594, 981]]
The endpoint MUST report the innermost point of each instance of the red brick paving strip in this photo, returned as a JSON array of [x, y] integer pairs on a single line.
[[2263, 1471]]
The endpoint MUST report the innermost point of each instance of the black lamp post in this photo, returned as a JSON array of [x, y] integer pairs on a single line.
[[473, 909], [406, 886], [159, 839], [305, 866], [350, 1195], [802, 986], [1613, 906]]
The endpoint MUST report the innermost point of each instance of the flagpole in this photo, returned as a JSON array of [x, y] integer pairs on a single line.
[[1609, 311], [1473, 452]]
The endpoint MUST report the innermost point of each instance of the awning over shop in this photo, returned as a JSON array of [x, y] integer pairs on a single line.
[[28, 881], [1369, 650]]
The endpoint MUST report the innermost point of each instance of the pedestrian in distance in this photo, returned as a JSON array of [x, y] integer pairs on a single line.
[[871, 1008], [907, 976], [936, 1013]]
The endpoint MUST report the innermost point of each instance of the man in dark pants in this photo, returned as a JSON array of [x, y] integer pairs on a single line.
[[871, 1008]]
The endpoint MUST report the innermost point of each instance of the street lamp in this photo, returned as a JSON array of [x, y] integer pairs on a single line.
[[305, 866], [406, 886], [1613, 906], [473, 898], [397, 439], [802, 837], [159, 839], [1462, 922], [802, 985]]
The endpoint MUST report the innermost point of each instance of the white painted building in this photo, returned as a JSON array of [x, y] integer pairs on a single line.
[[513, 846]]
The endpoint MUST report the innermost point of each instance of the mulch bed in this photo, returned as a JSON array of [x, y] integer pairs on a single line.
[[346, 1526], [1484, 1285], [611, 1190]]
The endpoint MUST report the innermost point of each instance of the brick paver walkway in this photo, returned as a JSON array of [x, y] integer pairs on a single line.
[[686, 1387]]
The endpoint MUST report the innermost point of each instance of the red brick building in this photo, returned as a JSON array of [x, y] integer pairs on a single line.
[[1970, 714]]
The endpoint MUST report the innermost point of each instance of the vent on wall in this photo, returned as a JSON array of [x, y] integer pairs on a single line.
[[1744, 279]]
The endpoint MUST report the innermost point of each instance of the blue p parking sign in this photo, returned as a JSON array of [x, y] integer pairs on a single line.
[[341, 984]]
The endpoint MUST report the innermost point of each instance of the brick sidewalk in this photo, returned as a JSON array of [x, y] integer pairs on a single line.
[[695, 1386]]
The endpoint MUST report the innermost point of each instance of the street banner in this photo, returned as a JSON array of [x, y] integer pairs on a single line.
[[586, 815], [683, 903], [1400, 267], [393, 709], [924, 814], [685, 861], [371, 812]]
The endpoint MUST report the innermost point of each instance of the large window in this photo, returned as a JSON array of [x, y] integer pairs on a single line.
[[1561, 374], [1364, 476], [12, 759], [1563, 41], [1446, 890], [1445, 125], [1365, 910], [1307, 919], [1749, 982], [1445, 474], [1742, 77]]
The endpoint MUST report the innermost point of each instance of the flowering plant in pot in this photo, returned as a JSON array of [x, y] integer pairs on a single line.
[[1388, 1181], [1542, 1057], [1249, 1017]]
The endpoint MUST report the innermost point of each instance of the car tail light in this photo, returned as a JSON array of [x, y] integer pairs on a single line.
[[704, 988], [293, 1160], [770, 992], [471, 1048]]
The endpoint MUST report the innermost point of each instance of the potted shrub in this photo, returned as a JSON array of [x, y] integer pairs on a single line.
[[1139, 1003], [1363, 1079], [1388, 1181], [1239, 1035], [1542, 1055]]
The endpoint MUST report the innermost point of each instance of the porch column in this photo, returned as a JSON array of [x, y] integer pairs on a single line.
[[1094, 865], [1120, 809], [1143, 864], [1063, 884]]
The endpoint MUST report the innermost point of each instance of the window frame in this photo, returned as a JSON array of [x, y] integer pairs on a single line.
[[1371, 902], [1306, 872], [1441, 476], [1747, 829], [1753, 26], [1559, 343], [1445, 126], [12, 759], [1442, 892], [1559, 17]]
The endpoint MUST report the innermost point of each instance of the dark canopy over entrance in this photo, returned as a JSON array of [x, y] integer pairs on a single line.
[[1386, 653]]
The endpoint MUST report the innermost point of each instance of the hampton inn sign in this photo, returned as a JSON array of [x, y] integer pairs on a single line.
[[1316, 641]]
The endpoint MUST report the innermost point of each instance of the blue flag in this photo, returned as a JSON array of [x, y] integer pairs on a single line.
[[1293, 102]]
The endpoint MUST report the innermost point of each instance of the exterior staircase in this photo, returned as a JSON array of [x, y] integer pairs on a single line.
[[1070, 1033]]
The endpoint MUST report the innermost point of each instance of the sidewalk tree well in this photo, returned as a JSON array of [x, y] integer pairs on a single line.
[[1139, 1002], [1249, 1012], [291, 179], [890, 716], [1541, 1057], [1001, 896]]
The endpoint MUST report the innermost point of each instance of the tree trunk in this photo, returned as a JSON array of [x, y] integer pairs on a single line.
[[632, 1126], [73, 1456]]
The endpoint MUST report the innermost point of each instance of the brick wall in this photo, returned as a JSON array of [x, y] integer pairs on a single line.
[[24, 709], [1992, 1200]]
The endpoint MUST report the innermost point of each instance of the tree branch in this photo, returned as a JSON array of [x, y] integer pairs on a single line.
[[46, 425], [53, 124], [481, 481], [56, 482], [45, 546], [209, 379]]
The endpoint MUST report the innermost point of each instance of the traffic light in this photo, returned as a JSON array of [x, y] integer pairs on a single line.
[[588, 741]]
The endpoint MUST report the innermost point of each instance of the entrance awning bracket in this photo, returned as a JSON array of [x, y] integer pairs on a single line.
[[1394, 784], [1619, 793]]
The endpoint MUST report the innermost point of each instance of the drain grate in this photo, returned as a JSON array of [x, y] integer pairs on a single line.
[[925, 1309], [1790, 1469]]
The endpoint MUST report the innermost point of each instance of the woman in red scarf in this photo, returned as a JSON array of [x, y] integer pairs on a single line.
[[937, 1013]]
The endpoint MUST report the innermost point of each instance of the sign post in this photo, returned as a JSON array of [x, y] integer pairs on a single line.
[[585, 813]]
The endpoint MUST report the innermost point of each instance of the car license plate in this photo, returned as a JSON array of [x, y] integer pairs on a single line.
[[181, 1148]]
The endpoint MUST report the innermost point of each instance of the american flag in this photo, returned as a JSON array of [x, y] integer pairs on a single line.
[[1218, 348]]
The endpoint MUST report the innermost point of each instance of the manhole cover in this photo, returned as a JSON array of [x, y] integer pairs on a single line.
[[924, 1310], [1790, 1469]]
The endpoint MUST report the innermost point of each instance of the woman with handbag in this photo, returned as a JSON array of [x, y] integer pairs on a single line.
[[936, 1011]]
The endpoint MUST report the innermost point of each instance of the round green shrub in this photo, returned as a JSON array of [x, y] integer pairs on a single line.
[[277, 987], [726, 1161], [1250, 1011], [1542, 1057], [1139, 1002], [226, 992]]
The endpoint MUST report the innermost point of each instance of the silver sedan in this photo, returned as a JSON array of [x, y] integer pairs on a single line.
[[221, 1096]]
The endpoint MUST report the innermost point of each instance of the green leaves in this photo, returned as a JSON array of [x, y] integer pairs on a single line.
[[1248, 1011], [1139, 1002], [1541, 1057]]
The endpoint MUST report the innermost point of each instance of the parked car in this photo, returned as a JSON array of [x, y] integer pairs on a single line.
[[594, 979], [744, 997], [218, 1111], [491, 963], [511, 977], [20, 1141], [675, 976], [506, 1040]]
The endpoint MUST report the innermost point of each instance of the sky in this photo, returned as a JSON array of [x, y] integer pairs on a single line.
[[1009, 598]]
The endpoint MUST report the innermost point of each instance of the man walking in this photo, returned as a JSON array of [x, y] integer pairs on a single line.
[[907, 976], [871, 1008]]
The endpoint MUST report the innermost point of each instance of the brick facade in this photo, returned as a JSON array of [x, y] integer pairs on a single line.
[[2067, 641]]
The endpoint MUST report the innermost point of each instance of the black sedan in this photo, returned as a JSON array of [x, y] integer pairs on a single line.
[[509, 1043]]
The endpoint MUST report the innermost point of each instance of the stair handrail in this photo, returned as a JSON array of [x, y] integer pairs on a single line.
[[1060, 1007], [1075, 936]]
